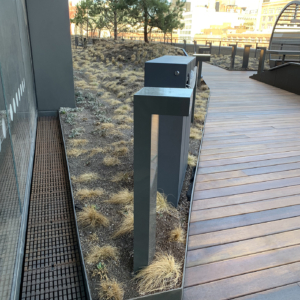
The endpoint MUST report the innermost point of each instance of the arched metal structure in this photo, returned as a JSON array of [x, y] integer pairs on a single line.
[[286, 32]]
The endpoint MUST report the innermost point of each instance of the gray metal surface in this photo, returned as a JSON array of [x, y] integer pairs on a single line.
[[246, 56], [285, 77], [286, 34], [173, 131], [233, 54], [149, 102], [262, 58], [51, 50]]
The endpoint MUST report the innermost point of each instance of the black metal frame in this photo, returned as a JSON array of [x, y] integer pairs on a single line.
[[271, 38]]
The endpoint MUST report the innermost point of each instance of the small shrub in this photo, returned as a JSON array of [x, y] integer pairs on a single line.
[[102, 253], [163, 273], [111, 161], [91, 217], [111, 290]]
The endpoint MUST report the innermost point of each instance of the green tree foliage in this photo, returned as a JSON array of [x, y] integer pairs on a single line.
[[85, 10], [118, 16], [172, 19]]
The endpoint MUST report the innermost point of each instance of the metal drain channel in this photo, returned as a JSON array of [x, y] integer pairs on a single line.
[[52, 265]]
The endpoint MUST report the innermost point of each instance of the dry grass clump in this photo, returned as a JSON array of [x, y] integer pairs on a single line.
[[76, 152], [192, 160], [107, 125], [124, 126], [123, 197], [78, 142], [122, 109], [123, 119], [87, 177], [163, 206], [205, 94], [163, 273], [91, 217], [88, 194], [177, 235], [195, 134], [204, 87], [113, 102], [95, 151], [126, 226], [111, 161], [120, 151], [93, 237], [199, 116], [111, 290], [102, 253], [122, 177]]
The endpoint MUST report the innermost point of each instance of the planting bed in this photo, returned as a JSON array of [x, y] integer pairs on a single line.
[[99, 139]]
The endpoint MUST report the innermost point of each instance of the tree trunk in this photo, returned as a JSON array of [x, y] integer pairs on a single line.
[[99, 33], [115, 25], [145, 25]]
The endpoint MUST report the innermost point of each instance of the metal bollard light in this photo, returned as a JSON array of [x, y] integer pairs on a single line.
[[233, 53], [262, 58], [172, 72], [149, 104], [246, 56]]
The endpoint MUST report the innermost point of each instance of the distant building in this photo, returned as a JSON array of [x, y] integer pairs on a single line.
[[269, 13]]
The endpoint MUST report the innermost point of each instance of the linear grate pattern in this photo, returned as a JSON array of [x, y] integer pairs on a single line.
[[52, 267]]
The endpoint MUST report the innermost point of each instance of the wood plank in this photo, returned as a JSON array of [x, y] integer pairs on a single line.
[[242, 233], [249, 165], [239, 209], [247, 172], [289, 292], [247, 188], [246, 198], [237, 249], [201, 186], [244, 220], [241, 265], [245, 284]]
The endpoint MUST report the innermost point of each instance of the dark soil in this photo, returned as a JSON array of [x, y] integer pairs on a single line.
[[94, 107]]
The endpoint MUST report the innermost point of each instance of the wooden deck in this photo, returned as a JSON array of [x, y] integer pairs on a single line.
[[244, 238]]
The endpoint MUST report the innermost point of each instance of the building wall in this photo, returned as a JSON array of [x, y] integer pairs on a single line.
[[269, 14]]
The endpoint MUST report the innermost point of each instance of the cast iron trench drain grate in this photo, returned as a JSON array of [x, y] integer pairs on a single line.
[[52, 266]]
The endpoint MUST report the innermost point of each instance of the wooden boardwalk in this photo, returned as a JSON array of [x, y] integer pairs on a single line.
[[244, 238]]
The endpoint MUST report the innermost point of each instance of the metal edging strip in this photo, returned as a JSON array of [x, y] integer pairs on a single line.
[[77, 232]]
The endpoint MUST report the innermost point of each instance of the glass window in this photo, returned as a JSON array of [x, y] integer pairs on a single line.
[[270, 18]]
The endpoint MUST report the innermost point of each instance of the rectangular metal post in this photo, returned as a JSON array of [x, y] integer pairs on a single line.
[[184, 46], [233, 53], [171, 72], [246, 56], [262, 57], [195, 46], [256, 49], [149, 103], [220, 43]]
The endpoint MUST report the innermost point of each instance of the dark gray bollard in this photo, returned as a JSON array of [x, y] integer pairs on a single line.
[[172, 72], [199, 59], [149, 103], [220, 44], [256, 47], [262, 57], [184, 45], [76, 41], [195, 46], [246, 56], [210, 46], [233, 53]]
